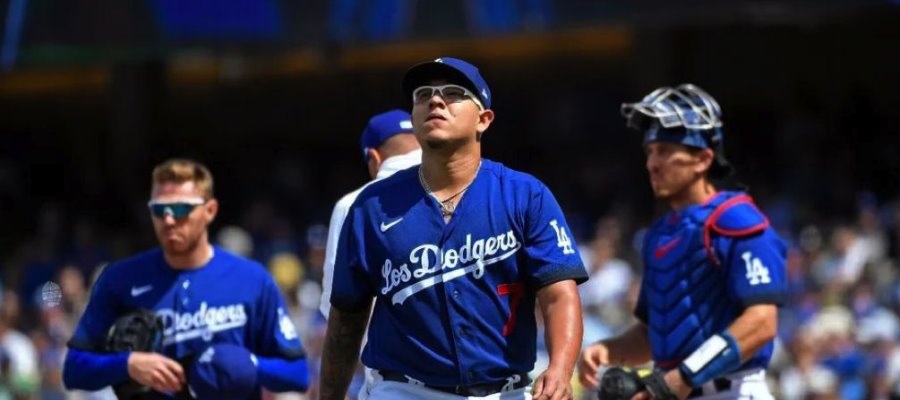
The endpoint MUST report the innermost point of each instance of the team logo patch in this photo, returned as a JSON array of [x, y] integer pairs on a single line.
[[562, 239], [285, 325], [757, 273]]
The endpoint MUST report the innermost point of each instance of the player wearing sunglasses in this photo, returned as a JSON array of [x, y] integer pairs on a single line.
[[181, 212], [212, 305]]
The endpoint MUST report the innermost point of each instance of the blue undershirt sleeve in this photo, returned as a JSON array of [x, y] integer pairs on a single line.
[[282, 375], [91, 371]]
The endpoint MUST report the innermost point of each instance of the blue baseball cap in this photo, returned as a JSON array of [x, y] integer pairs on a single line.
[[223, 371], [452, 69], [384, 126], [697, 138]]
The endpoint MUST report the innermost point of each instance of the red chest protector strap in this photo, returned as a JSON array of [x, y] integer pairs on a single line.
[[735, 217]]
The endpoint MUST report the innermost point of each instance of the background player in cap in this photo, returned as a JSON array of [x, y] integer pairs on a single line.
[[714, 269], [388, 146], [456, 252], [219, 312]]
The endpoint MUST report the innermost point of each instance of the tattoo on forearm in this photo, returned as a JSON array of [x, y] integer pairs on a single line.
[[341, 352]]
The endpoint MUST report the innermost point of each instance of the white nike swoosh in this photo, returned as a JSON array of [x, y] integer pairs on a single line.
[[137, 291], [385, 227]]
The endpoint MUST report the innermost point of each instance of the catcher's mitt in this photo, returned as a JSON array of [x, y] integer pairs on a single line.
[[618, 383], [140, 330]]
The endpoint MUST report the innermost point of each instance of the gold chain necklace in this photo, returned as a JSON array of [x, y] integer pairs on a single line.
[[447, 205]]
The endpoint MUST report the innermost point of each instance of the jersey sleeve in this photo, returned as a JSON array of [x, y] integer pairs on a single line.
[[334, 234], [99, 314], [552, 253], [351, 288], [278, 335], [756, 269]]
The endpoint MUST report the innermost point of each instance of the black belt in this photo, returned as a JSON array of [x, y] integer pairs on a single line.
[[721, 384], [475, 390]]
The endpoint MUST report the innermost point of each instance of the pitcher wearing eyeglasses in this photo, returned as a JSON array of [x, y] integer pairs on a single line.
[[222, 328], [455, 253]]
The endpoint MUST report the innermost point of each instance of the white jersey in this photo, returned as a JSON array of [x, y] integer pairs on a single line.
[[388, 168]]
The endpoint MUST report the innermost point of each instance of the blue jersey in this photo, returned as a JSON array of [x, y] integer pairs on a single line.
[[454, 301], [229, 300], [703, 266]]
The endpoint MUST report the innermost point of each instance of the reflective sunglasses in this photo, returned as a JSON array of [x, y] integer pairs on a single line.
[[176, 209], [450, 94]]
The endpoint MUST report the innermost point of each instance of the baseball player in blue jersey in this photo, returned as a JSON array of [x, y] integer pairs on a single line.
[[455, 253], [714, 269], [218, 309], [388, 146]]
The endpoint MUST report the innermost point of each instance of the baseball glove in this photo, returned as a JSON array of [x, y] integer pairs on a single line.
[[656, 385], [140, 330], [619, 383]]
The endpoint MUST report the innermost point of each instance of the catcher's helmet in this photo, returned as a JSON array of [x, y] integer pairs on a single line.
[[685, 115]]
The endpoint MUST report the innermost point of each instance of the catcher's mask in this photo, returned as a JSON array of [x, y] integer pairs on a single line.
[[685, 115]]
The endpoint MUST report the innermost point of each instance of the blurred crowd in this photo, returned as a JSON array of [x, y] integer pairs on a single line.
[[816, 129], [837, 333]]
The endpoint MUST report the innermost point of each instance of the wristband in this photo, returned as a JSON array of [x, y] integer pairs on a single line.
[[717, 356]]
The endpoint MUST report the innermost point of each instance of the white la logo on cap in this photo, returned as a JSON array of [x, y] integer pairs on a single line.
[[440, 60], [651, 134], [484, 93], [407, 124], [207, 355]]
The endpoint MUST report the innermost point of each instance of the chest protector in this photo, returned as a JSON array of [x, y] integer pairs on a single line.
[[686, 257]]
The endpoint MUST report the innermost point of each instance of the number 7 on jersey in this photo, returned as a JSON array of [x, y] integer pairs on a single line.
[[515, 292]]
